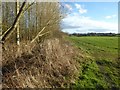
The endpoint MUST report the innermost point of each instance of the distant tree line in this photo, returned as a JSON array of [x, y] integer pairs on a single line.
[[94, 34]]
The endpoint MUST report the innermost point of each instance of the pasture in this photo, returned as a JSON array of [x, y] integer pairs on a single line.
[[101, 68]]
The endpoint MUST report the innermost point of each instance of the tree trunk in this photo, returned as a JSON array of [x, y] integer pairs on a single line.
[[18, 29]]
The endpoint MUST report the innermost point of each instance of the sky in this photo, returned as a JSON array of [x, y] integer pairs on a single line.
[[87, 17]]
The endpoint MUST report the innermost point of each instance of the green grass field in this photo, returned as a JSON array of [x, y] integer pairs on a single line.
[[102, 68]]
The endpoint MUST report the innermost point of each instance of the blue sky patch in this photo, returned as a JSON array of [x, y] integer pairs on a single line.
[[85, 17]]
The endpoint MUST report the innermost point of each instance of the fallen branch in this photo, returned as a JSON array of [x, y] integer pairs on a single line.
[[38, 34]]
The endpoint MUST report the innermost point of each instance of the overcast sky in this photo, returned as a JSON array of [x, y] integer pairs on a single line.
[[87, 17]]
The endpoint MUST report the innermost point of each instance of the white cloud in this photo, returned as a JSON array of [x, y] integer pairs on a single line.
[[109, 17], [80, 8], [68, 6], [114, 15], [83, 11], [86, 24]]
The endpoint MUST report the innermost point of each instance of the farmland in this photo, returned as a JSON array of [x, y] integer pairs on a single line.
[[35, 52], [101, 67]]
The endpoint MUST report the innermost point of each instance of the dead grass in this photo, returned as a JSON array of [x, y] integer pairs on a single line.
[[50, 64]]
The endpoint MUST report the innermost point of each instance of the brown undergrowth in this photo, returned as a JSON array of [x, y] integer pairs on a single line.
[[49, 64]]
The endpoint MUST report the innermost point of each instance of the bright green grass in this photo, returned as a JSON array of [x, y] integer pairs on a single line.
[[103, 69], [98, 46]]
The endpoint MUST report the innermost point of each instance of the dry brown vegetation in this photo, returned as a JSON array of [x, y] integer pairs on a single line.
[[47, 64], [42, 59]]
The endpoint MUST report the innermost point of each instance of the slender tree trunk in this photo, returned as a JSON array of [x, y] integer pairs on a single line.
[[1, 19], [18, 29]]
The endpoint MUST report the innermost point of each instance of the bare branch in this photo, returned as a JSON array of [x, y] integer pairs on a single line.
[[39, 34], [28, 7]]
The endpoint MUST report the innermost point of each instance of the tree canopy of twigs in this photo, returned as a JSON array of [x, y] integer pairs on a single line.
[[35, 20]]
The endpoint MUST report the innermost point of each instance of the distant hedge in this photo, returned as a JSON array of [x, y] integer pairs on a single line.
[[94, 34]]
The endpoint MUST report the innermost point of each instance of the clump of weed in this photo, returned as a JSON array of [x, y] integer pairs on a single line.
[[42, 65]]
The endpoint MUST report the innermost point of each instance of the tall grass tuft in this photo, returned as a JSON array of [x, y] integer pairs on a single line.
[[49, 64]]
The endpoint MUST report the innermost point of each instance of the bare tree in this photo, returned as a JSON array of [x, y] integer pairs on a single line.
[[12, 28]]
